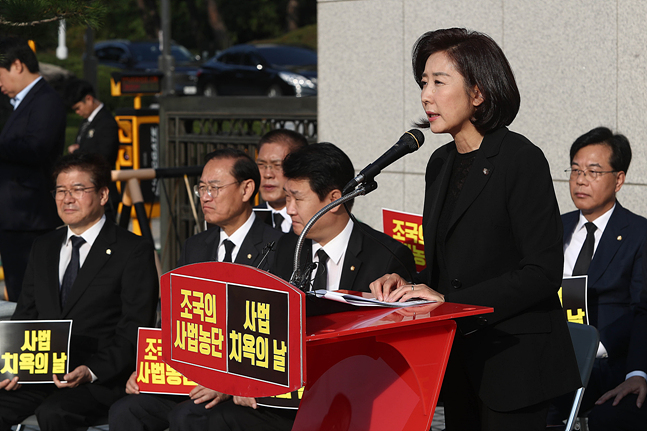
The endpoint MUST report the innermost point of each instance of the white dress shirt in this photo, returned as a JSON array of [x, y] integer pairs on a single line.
[[237, 238], [286, 224], [336, 251]]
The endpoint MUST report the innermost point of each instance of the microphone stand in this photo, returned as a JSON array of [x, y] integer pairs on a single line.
[[297, 278]]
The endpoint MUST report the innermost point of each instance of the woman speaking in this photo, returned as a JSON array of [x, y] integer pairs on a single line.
[[493, 237]]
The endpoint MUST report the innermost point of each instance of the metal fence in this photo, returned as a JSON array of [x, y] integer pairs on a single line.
[[191, 127]]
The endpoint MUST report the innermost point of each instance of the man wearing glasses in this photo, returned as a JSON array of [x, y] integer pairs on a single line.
[[605, 241], [273, 147], [98, 275]]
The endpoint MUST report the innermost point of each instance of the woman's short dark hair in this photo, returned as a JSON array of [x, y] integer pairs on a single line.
[[16, 48], [619, 145], [92, 163], [324, 165], [244, 167], [482, 63]]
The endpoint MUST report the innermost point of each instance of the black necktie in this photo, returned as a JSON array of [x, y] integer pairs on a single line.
[[229, 247], [82, 129], [278, 221], [321, 278], [586, 254], [72, 269]]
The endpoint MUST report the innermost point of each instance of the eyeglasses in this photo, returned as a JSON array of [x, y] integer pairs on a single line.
[[209, 189], [593, 175], [273, 167], [76, 192]]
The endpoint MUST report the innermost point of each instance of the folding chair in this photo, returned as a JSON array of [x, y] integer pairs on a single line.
[[585, 343]]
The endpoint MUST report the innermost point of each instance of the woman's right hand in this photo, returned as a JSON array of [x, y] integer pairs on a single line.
[[383, 286]]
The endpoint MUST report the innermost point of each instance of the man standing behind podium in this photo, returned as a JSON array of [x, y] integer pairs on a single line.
[[30, 142], [101, 277], [273, 147], [606, 242]]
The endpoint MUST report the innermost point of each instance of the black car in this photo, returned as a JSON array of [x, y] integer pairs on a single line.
[[143, 56], [260, 70]]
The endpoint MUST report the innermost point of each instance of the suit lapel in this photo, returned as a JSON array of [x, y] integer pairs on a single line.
[[53, 288], [609, 244], [99, 255], [479, 174], [352, 263], [570, 221], [438, 190], [249, 249], [23, 104], [212, 242]]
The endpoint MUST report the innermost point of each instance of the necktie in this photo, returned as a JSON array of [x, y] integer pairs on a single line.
[[72, 269], [586, 254], [278, 221], [229, 247], [82, 129], [321, 278]]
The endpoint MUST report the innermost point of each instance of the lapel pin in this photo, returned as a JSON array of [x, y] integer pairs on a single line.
[[108, 251], [91, 133], [352, 268], [619, 238], [486, 171], [249, 256]]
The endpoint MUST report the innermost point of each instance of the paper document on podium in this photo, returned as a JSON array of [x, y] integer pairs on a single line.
[[364, 299]]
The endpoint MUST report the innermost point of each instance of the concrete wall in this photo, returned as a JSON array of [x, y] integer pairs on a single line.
[[578, 64]]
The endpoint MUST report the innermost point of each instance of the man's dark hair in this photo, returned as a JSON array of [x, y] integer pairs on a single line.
[[619, 145], [324, 165], [244, 167], [294, 140], [92, 163], [16, 48], [76, 91], [482, 63]]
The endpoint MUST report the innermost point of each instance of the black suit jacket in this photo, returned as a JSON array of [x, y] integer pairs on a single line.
[[115, 293], [203, 247], [101, 136], [503, 249], [365, 259], [30, 142], [615, 278]]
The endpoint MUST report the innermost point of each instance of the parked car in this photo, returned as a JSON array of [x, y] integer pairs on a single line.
[[260, 70], [143, 56]]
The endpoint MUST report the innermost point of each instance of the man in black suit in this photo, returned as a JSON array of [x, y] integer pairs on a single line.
[[605, 241], [99, 132], [31, 140], [272, 149], [226, 189], [354, 252], [100, 276]]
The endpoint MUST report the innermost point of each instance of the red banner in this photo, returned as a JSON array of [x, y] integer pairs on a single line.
[[406, 228]]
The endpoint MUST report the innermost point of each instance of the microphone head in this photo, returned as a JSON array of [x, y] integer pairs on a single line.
[[414, 139]]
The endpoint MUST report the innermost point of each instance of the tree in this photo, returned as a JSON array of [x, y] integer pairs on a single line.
[[35, 18]]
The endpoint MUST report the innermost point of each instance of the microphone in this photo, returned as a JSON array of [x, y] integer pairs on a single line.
[[408, 143]]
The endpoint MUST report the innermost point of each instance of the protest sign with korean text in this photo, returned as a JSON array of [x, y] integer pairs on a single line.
[[406, 228], [33, 350], [154, 376], [234, 328]]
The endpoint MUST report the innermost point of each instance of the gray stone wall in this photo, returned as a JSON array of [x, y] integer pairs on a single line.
[[579, 64]]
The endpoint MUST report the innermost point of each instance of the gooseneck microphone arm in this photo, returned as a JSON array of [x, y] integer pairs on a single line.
[[297, 277]]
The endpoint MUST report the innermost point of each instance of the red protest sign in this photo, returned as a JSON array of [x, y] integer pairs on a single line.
[[406, 228]]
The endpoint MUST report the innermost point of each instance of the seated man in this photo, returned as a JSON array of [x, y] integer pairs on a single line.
[[100, 276], [226, 190], [273, 147], [605, 241]]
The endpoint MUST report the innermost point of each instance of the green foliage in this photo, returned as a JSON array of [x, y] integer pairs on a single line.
[[305, 36], [38, 19]]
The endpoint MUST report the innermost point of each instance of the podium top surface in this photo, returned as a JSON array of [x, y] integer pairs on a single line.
[[368, 319]]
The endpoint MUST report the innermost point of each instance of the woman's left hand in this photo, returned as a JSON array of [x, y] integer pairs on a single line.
[[410, 291]]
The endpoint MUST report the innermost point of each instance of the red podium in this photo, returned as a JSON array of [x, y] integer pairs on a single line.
[[374, 368]]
